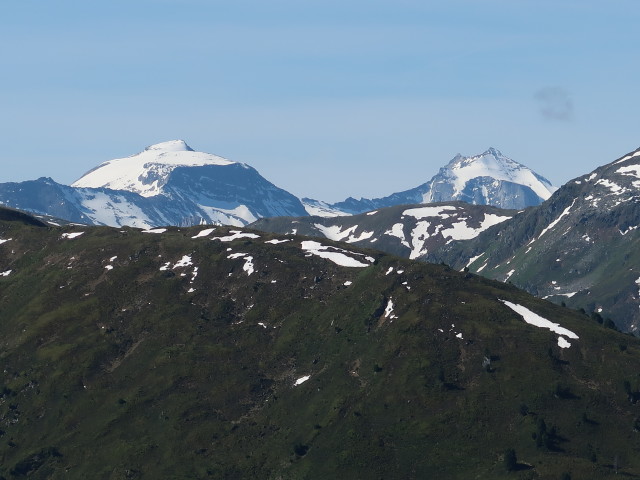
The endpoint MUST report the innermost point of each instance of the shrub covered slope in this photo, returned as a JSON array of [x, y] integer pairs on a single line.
[[235, 354]]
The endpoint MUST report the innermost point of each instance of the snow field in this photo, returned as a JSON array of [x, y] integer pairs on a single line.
[[536, 320]]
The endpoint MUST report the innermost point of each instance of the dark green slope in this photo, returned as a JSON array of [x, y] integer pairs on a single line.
[[148, 370]]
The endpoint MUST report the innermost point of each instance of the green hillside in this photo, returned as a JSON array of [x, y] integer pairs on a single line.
[[128, 354]]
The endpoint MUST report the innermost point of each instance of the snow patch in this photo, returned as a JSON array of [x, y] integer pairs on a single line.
[[555, 222], [72, 235], [185, 261], [155, 230], [3, 241], [204, 233], [275, 241], [397, 231], [248, 262], [388, 311], [337, 255], [534, 319], [235, 235], [563, 343], [6, 274], [301, 380]]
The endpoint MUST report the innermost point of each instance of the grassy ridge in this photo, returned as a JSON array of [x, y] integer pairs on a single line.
[[126, 373]]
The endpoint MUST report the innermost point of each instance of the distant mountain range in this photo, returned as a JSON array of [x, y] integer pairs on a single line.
[[487, 179], [171, 184]]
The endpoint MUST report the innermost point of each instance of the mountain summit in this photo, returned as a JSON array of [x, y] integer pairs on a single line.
[[167, 183], [147, 172], [490, 178]]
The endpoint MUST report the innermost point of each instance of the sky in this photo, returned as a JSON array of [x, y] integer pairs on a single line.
[[325, 98]]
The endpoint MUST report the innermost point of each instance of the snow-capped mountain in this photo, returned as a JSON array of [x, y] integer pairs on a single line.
[[579, 247], [487, 179], [148, 172], [166, 184]]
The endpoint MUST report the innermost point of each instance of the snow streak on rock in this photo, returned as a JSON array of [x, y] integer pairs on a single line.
[[534, 319], [336, 255]]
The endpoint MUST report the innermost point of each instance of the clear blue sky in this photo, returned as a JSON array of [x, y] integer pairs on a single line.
[[325, 98]]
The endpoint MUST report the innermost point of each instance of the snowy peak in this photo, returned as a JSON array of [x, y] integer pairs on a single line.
[[171, 146], [494, 164], [147, 172], [490, 178]]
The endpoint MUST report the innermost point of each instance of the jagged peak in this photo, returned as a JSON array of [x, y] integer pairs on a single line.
[[171, 146], [493, 151]]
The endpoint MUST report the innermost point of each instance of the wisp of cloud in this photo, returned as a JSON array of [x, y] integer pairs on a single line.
[[554, 103]]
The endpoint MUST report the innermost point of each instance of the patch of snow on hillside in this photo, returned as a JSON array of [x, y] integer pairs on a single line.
[[235, 235], [534, 319], [473, 259], [388, 311], [248, 261], [389, 271], [72, 235], [155, 230], [317, 208], [397, 231], [337, 255], [248, 265], [3, 241], [6, 274], [109, 267], [275, 241], [372, 213], [563, 343], [204, 233], [347, 283], [491, 219], [613, 187], [555, 222], [425, 212], [185, 261], [301, 380], [509, 275], [462, 231], [627, 230], [630, 170], [335, 232]]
